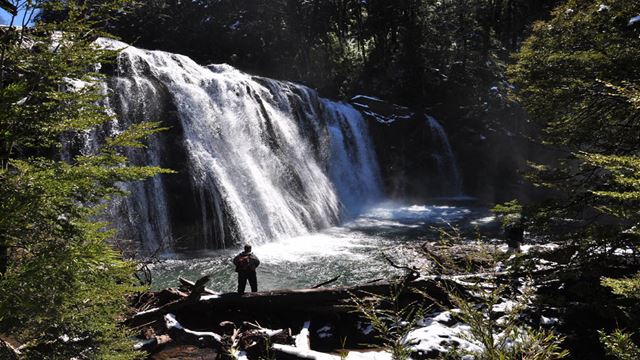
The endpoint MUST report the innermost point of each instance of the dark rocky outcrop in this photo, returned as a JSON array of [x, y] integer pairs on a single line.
[[491, 151], [408, 149]]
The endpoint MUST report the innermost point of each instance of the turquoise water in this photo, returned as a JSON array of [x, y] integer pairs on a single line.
[[354, 250]]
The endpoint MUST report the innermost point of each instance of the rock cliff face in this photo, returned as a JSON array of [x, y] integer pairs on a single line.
[[416, 159]]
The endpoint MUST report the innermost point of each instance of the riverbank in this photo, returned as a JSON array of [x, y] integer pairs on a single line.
[[340, 322]]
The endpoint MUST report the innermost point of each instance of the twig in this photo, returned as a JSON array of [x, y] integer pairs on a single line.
[[412, 272], [327, 282]]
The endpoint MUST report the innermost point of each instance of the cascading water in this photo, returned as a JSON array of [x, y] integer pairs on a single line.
[[257, 159], [446, 162]]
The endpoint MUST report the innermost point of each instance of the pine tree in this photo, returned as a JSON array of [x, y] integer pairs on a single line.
[[578, 77], [63, 287]]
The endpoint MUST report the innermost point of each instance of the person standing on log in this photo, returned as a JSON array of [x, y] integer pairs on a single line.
[[246, 263]]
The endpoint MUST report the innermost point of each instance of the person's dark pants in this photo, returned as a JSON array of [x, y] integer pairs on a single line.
[[243, 276]]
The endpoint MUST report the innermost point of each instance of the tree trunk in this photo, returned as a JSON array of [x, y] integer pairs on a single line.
[[4, 258]]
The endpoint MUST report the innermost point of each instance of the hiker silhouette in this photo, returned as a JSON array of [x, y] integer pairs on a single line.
[[246, 263]]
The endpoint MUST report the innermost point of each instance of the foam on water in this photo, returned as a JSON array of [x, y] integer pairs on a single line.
[[353, 250]]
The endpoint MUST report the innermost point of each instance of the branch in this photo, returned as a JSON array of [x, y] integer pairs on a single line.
[[412, 272], [327, 282]]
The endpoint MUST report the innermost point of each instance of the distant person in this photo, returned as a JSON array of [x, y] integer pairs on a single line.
[[246, 263], [514, 234]]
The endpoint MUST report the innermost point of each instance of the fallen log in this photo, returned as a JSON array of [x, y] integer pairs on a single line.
[[184, 336], [191, 286], [179, 301], [320, 300], [153, 345], [301, 299]]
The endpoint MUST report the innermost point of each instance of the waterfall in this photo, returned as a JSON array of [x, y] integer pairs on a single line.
[[257, 159], [447, 165]]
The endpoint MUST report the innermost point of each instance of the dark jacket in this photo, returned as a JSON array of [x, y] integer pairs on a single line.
[[251, 266]]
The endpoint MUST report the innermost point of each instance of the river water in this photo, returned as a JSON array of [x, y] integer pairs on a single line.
[[354, 250]]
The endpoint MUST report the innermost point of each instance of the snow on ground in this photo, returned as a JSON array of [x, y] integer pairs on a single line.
[[504, 307], [436, 335], [370, 355]]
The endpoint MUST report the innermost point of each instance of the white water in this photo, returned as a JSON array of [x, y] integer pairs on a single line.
[[446, 160], [266, 160], [352, 250], [146, 210]]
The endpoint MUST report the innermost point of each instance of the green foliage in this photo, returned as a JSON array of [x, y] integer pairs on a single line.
[[619, 345], [627, 287], [409, 51], [509, 212], [63, 287], [504, 338], [563, 70], [500, 338], [512, 207], [578, 78], [391, 319]]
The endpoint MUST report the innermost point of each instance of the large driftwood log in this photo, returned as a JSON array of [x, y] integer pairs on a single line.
[[319, 300], [185, 336], [154, 344], [149, 316], [197, 287], [177, 301], [306, 298]]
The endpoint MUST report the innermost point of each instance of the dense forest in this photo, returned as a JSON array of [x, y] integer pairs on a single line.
[[554, 85]]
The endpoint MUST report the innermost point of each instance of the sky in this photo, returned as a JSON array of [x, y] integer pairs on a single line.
[[5, 17]]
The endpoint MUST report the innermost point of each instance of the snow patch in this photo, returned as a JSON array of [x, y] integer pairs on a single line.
[[302, 339], [435, 336], [324, 332], [370, 355], [172, 322], [365, 329], [209, 297], [504, 307], [103, 43], [548, 320]]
